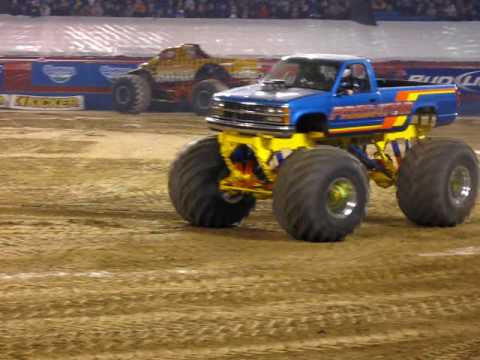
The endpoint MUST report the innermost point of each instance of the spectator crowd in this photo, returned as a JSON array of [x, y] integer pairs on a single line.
[[430, 9], [283, 9]]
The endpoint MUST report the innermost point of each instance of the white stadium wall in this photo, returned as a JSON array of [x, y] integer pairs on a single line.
[[143, 37]]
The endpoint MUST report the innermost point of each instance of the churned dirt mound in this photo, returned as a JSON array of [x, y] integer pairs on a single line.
[[95, 263]]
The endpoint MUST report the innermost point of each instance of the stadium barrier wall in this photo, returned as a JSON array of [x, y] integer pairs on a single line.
[[91, 79], [52, 79]]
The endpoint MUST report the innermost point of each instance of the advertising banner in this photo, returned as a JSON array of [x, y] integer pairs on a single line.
[[29, 102], [104, 74], [93, 78], [56, 74], [467, 80], [77, 74], [465, 75]]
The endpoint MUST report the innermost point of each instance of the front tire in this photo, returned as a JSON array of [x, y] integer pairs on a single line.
[[131, 94], [202, 94], [438, 182], [194, 187], [321, 194]]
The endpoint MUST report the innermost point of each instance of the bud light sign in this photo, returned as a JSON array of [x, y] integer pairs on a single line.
[[468, 80]]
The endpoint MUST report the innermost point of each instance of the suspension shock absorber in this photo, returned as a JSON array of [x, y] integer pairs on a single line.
[[397, 152], [371, 164]]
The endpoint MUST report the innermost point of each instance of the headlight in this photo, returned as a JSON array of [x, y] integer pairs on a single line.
[[217, 102], [217, 107], [277, 114], [275, 111]]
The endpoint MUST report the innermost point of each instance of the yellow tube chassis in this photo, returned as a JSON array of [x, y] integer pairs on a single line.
[[265, 146]]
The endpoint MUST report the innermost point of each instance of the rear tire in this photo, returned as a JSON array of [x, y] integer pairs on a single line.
[[438, 182], [202, 94], [131, 94], [194, 187], [321, 194]]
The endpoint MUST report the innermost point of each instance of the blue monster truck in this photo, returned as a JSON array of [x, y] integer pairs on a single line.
[[310, 135]]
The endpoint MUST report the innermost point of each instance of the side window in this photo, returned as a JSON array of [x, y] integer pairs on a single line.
[[190, 52], [167, 55], [355, 79]]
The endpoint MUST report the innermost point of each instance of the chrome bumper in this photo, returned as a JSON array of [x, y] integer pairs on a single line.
[[246, 127]]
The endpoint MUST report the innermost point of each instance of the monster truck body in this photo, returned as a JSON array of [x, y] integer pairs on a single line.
[[313, 132], [183, 74], [378, 106]]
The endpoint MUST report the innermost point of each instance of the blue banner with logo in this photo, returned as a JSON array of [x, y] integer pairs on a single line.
[[104, 74], [60, 74], [77, 74]]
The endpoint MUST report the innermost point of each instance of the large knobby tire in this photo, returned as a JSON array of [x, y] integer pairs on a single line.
[[194, 187], [438, 182], [202, 94], [131, 94], [321, 194]]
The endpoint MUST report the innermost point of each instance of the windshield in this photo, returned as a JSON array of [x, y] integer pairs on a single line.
[[305, 73]]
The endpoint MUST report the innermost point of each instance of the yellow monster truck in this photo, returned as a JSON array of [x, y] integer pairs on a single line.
[[182, 74]]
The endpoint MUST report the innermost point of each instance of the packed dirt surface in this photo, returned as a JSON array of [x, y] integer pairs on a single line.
[[95, 263]]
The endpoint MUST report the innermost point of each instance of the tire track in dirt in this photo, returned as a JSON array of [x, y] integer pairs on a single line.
[[248, 322], [166, 123], [330, 310], [266, 349], [459, 350], [242, 280]]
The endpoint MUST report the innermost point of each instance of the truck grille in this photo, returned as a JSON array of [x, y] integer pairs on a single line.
[[250, 113]]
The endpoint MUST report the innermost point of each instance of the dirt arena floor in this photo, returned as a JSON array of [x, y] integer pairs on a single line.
[[95, 263]]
